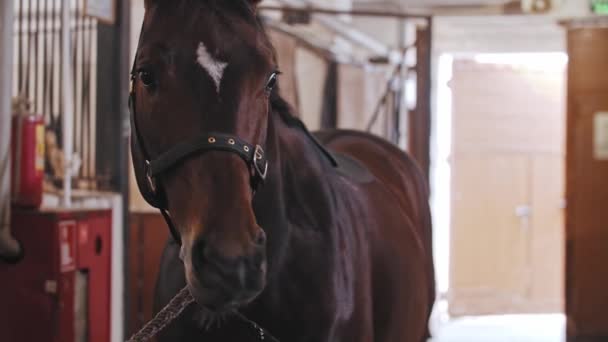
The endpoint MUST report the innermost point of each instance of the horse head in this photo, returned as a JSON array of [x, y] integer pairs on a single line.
[[202, 77]]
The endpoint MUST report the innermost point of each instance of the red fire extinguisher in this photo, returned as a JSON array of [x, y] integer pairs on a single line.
[[27, 148]]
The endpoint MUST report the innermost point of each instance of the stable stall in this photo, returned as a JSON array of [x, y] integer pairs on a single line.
[[60, 205]]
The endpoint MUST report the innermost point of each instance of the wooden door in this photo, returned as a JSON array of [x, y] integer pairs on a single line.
[[506, 253]]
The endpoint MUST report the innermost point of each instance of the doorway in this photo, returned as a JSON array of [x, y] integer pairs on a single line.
[[499, 183]]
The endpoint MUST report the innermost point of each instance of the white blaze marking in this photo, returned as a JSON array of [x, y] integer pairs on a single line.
[[214, 67]]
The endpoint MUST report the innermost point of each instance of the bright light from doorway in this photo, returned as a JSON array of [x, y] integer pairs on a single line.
[[500, 328], [441, 172], [542, 61]]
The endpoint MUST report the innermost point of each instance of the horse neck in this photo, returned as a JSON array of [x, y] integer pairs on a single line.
[[296, 181]]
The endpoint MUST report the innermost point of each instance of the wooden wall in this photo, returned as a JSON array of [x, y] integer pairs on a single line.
[[587, 185], [148, 235]]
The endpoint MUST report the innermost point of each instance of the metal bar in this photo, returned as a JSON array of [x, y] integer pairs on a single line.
[[68, 104], [51, 62], [45, 65], [60, 96], [84, 98], [28, 54], [20, 48], [85, 135], [362, 13], [35, 27], [75, 73], [9, 247]]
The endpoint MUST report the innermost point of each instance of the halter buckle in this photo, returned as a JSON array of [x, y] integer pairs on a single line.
[[150, 178], [258, 156]]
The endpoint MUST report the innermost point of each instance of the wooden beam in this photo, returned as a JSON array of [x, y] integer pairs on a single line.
[[420, 117], [354, 12]]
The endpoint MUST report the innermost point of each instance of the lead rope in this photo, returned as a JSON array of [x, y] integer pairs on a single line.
[[169, 313], [176, 306]]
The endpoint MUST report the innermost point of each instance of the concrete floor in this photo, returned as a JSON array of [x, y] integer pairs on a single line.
[[514, 328]]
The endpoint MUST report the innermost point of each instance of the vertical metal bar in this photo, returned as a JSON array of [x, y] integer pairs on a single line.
[[75, 72], [93, 96], [19, 47], [86, 99], [15, 76], [9, 247], [68, 94], [83, 97], [43, 38], [36, 32], [60, 88], [29, 49], [52, 64], [399, 110]]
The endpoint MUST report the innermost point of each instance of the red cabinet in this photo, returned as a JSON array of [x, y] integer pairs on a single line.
[[60, 291]]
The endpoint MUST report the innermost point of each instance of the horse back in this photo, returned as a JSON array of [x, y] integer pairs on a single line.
[[398, 174], [392, 167]]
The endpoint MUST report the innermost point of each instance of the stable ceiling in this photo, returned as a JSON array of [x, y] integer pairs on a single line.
[[448, 2], [430, 3]]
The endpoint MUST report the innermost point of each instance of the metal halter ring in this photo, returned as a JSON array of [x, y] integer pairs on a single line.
[[259, 152], [150, 178], [258, 155]]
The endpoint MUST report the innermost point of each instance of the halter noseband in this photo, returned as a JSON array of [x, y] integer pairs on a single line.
[[253, 156]]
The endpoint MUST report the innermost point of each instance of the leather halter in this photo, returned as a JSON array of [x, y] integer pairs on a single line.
[[253, 156]]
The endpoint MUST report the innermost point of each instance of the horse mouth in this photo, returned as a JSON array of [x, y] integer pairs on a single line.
[[220, 296], [221, 302]]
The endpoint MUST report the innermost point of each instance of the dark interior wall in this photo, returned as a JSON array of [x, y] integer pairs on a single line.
[[586, 186], [112, 125]]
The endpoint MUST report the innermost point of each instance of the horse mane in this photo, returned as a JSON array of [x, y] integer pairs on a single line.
[[284, 110]]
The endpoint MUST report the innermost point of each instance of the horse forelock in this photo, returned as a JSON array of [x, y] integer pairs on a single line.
[[227, 20]]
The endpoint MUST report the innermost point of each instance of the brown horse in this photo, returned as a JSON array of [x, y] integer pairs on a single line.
[[312, 245]]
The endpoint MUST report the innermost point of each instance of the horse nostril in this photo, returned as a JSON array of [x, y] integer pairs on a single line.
[[260, 239]]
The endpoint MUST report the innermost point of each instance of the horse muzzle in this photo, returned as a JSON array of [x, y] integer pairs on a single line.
[[221, 282]]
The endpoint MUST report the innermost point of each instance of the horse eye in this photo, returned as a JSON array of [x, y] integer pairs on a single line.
[[272, 81], [147, 78]]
